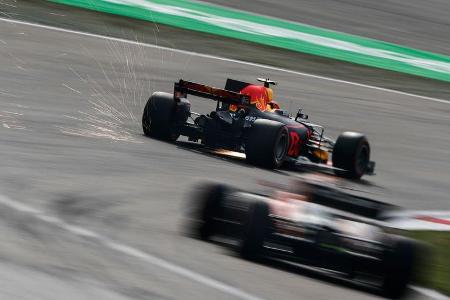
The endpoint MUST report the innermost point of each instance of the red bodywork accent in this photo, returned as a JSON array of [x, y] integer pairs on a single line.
[[294, 147], [298, 135], [183, 88]]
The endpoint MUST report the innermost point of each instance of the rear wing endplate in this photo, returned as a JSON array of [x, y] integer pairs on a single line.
[[182, 88]]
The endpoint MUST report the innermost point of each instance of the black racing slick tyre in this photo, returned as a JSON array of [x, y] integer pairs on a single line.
[[208, 204], [256, 228], [399, 264], [267, 144], [158, 117], [351, 153]]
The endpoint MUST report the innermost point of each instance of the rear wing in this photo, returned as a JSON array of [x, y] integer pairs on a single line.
[[182, 88]]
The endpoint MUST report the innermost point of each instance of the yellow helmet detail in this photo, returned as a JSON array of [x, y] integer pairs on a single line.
[[269, 94]]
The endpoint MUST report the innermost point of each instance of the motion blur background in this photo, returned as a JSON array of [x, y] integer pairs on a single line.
[[91, 209]]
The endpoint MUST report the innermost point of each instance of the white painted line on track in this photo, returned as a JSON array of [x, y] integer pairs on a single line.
[[430, 293], [224, 59], [126, 250]]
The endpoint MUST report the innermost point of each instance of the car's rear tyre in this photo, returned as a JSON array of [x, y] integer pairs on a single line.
[[351, 153], [208, 202], [398, 266], [158, 117], [255, 231], [267, 143]]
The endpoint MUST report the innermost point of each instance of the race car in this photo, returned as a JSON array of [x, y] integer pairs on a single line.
[[247, 120], [306, 225]]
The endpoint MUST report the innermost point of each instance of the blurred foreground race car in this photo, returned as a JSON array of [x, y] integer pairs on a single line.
[[247, 120], [309, 225]]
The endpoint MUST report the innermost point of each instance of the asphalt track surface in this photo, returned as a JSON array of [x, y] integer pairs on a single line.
[[414, 23], [72, 147]]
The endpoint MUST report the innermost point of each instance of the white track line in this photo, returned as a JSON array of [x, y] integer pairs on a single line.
[[430, 293], [224, 59], [125, 249]]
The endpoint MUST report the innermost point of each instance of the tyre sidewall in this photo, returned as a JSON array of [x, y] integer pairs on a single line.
[[398, 266], [347, 151], [262, 142], [158, 119], [255, 231], [208, 204]]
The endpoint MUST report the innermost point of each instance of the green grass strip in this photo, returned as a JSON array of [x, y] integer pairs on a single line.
[[436, 273]]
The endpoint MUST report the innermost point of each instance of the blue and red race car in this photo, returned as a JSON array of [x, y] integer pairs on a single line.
[[247, 120]]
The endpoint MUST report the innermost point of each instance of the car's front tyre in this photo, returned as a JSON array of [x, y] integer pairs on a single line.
[[398, 265], [351, 154]]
